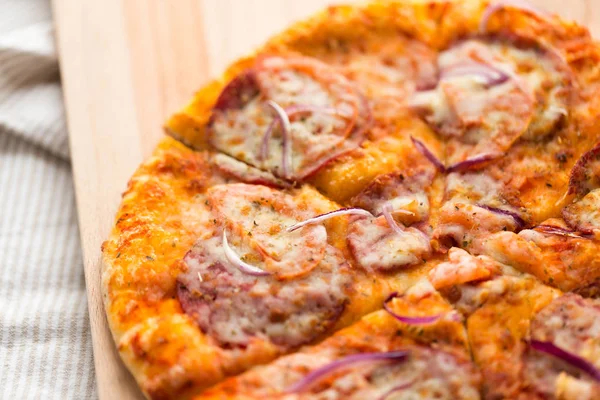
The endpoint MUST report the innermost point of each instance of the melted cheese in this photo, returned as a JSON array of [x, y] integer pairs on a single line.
[[376, 246], [460, 268]]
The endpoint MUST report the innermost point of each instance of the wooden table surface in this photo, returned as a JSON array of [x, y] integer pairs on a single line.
[[126, 65]]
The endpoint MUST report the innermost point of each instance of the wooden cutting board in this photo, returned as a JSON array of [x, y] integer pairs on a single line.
[[126, 65]]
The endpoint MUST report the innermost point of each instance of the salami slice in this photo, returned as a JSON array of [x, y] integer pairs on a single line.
[[246, 173], [584, 213], [303, 285], [289, 116], [585, 175], [256, 219], [427, 373], [492, 93], [572, 325]]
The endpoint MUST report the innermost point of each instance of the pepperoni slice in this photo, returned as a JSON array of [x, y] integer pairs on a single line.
[[327, 116], [304, 293], [377, 246]]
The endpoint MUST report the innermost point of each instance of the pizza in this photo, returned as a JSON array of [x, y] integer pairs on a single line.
[[393, 200]]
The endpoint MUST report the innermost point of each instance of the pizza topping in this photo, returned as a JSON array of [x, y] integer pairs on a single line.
[[585, 175], [518, 220], [460, 268], [584, 214], [564, 341], [491, 93], [389, 72], [408, 319], [320, 373], [235, 308], [482, 118], [472, 163], [377, 246], [557, 230], [284, 124], [571, 388], [258, 280], [488, 75], [572, 323], [235, 260], [423, 373], [570, 358], [495, 6], [238, 92], [402, 194], [289, 116], [475, 208], [428, 154], [387, 214], [398, 388], [331, 214], [246, 173], [256, 218], [557, 257]]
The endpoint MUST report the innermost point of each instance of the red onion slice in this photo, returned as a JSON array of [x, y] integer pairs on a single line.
[[322, 217], [233, 258], [466, 165], [387, 214], [516, 217], [405, 319], [397, 388], [559, 231], [286, 139], [310, 108], [492, 76], [570, 358], [264, 147], [472, 163], [428, 154], [522, 5], [326, 370]]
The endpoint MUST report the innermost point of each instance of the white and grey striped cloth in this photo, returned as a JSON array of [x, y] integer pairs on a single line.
[[45, 343]]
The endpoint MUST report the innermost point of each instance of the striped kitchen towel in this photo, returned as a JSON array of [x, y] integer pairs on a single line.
[[45, 343]]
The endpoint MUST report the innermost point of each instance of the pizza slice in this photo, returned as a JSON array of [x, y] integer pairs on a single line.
[[414, 349], [562, 252], [530, 340], [230, 275]]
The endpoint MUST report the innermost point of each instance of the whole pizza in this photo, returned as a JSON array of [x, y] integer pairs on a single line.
[[395, 200]]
